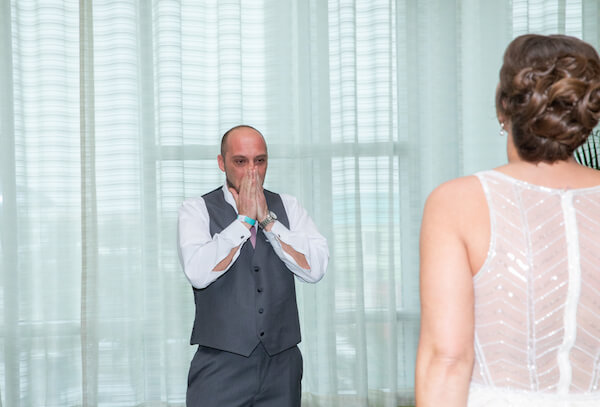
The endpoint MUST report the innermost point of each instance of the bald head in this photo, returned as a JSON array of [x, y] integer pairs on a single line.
[[242, 129]]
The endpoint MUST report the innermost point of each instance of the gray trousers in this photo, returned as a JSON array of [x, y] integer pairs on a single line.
[[223, 379]]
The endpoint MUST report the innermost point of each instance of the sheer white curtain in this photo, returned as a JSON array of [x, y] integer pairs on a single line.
[[111, 114]]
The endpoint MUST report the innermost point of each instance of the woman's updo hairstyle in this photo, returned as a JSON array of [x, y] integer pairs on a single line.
[[549, 93]]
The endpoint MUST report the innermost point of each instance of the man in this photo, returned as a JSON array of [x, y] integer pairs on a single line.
[[240, 247]]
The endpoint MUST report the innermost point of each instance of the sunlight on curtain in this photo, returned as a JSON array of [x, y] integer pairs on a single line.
[[41, 233], [111, 115], [548, 16]]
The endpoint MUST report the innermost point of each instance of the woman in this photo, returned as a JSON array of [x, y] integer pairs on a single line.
[[510, 258]]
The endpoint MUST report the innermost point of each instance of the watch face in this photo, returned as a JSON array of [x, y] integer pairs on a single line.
[[273, 215]]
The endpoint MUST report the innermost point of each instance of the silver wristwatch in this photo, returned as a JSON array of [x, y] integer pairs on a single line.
[[271, 217]]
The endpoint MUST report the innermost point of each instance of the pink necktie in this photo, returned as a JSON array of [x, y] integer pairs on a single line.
[[253, 236]]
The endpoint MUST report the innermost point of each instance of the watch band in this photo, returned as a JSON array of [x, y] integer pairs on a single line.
[[247, 219], [271, 217]]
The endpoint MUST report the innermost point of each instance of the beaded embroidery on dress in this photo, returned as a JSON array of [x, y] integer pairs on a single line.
[[537, 297]]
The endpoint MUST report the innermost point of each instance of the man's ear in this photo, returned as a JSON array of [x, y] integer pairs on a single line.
[[221, 161]]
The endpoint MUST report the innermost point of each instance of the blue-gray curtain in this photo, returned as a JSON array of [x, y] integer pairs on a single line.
[[111, 113]]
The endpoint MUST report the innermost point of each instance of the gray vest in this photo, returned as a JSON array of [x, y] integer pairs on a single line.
[[255, 300]]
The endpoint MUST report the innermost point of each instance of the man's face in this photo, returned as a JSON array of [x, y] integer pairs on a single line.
[[245, 150]]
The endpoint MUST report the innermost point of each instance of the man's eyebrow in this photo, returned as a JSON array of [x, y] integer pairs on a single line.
[[243, 157]]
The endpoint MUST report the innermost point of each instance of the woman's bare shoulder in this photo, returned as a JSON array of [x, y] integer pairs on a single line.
[[458, 208], [458, 193]]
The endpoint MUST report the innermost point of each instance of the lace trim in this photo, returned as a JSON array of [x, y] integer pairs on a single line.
[[573, 292], [483, 180]]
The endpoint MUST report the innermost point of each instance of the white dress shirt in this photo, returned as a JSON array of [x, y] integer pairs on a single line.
[[199, 253]]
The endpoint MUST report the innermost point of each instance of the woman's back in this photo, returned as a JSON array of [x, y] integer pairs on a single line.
[[510, 273], [537, 296]]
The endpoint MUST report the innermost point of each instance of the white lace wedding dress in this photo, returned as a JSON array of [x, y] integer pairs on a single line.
[[537, 297]]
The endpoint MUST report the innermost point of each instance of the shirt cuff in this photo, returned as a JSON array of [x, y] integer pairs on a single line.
[[279, 231], [236, 233]]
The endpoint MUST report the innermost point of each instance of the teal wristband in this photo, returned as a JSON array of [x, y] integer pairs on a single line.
[[246, 219]]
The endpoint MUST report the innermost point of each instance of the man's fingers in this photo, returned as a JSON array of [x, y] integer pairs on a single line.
[[246, 202], [261, 203]]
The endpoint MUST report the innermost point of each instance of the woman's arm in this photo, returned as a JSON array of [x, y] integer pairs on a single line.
[[445, 354]]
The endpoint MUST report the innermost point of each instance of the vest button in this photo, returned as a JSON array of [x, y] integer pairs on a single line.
[[262, 334], [256, 268], [260, 310], [259, 290]]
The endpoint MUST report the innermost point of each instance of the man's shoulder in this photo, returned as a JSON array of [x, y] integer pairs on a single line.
[[269, 192], [282, 195], [192, 204], [199, 202], [287, 199], [213, 192]]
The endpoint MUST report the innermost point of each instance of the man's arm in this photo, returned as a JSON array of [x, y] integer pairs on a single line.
[[298, 257], [205, 258], [301, 247], [227, 261]]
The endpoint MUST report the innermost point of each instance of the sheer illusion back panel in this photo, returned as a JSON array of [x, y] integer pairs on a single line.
[[537, 296]]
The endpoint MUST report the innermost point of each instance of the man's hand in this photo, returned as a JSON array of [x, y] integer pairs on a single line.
[[245, 200], [261, 203]]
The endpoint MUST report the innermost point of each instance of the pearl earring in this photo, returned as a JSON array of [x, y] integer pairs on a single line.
[[503, 132]]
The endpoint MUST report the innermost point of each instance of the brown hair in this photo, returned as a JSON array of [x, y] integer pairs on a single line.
[[549, 92]]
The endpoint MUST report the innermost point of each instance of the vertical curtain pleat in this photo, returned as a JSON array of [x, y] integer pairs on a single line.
[[42, 214], [9, 231], [590, 21], [89, 212], [154, 354]]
